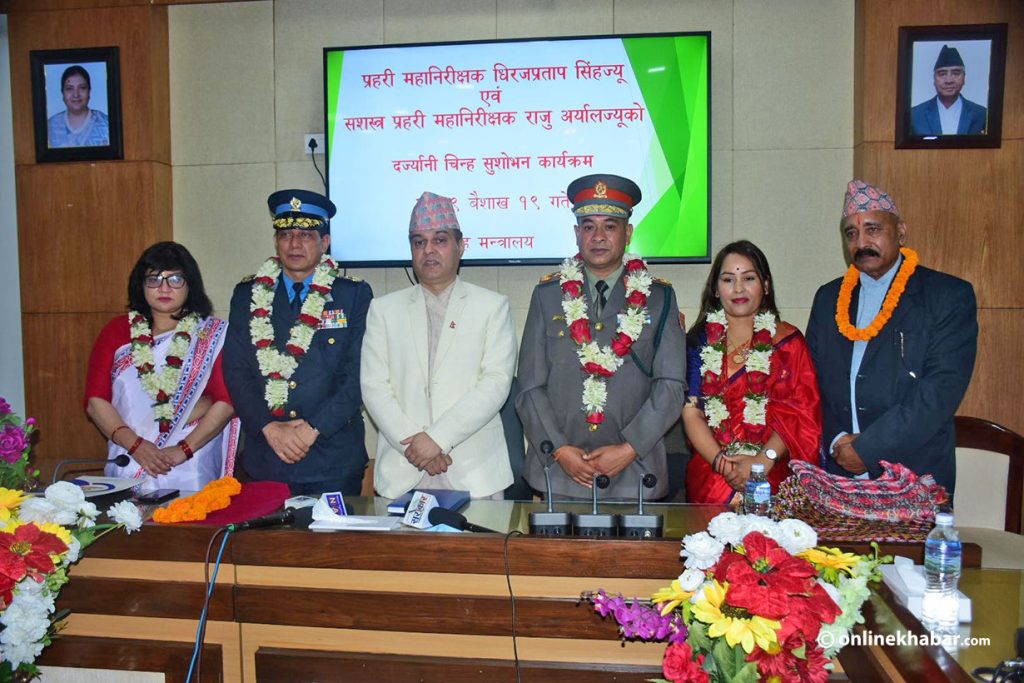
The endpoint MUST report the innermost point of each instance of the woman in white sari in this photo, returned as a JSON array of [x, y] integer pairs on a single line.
[[154, 387]]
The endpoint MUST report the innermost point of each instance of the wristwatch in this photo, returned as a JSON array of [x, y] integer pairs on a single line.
[[770, 453]]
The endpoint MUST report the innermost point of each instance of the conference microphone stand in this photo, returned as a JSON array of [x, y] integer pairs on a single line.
[[549, 523]]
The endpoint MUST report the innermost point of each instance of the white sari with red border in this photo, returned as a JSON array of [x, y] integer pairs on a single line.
[[214, 460]]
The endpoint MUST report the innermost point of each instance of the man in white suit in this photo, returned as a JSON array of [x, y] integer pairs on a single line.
[[437, 364]]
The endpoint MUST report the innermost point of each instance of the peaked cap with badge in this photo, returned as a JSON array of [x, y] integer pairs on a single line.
[[301, 210], [603, 195]]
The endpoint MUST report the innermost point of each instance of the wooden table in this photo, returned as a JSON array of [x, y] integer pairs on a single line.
[[294, 605]]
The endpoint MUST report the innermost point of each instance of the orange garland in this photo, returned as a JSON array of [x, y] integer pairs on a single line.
[[892, 299], [214, 496]]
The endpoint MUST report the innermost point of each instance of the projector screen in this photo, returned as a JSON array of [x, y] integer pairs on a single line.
[[503, 127]]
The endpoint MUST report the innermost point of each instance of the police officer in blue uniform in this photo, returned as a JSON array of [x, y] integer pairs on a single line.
[[291, 358]]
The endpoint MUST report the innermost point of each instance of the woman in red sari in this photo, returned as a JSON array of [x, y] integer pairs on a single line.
[[753, 393]]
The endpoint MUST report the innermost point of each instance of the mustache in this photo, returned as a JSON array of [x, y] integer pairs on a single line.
[[866, 251]]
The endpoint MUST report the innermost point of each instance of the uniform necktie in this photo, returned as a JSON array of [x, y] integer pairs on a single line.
[[297, 288], [601, 286]]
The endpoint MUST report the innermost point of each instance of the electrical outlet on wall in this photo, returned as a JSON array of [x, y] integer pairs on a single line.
[[319, 138]]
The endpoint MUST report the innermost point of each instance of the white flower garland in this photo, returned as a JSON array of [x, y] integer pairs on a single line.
[[601, 362], [275, 366], [712, 361], [160, 385]]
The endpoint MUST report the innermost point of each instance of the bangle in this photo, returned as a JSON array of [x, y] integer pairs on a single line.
[[116, 430], [135, 446], [186, 449], [718, 455]]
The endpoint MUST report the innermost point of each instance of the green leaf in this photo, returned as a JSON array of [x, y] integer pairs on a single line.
[[698, 638]]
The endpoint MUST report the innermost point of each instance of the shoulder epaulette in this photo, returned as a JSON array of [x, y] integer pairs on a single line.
[[661, 281], [352, 278], [550, 277], [249, 278]]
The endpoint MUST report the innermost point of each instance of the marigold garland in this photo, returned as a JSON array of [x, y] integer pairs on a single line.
[[892, 299], [214, 496]]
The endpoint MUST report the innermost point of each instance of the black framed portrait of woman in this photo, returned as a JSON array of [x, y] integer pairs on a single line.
[[949, 90], [76, 104]]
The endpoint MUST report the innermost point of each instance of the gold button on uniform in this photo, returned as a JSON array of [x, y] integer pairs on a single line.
[[330, 340], [292, 384], [293, 414], [561, 333], [599, 326]]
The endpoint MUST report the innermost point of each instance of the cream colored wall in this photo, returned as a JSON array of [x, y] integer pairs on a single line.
[[247, 83]]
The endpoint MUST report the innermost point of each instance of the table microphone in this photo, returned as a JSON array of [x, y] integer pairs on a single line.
[[121, 460], [549, 523], [276, 519], [456, 520], [596, 524], [643, 525]]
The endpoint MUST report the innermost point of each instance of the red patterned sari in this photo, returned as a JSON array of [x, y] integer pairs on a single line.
[[794, 413]]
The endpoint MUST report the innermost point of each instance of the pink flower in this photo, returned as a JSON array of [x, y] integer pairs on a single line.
[[5, 407], [12, 443]]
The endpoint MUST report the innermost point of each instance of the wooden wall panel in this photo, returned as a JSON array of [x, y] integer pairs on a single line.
[[964, 208], [56, 348], [81, 228], [141, 35]]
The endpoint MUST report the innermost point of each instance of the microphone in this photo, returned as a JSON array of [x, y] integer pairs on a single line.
[[277, 519], [596, 524], [121, 460], [457, 520], [549, 523], [643, 525]]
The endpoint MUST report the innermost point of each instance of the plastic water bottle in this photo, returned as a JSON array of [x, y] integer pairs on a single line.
[[757, 497], [941, 604]]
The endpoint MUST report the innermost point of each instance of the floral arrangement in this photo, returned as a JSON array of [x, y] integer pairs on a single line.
[[40, 537], [160, 385], [892, 299], [15, 444], [758, 366], [214, 496], [601, 362], [757, 600], [275, 366]]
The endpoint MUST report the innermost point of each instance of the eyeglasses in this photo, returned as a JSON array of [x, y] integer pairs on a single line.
[[174, 281]]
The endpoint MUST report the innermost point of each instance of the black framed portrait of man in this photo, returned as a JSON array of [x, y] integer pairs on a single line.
[[76, 104], [950, 86]]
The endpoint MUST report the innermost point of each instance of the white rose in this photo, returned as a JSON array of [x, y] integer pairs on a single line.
[[64, 494], [691, 579], [701, 550], [126, 513], [796, 536], [728, 527]]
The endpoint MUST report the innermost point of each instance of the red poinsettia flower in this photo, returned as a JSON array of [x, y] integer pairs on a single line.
[[764, 579], [12, 569], [592, 368], [680, 666], [636, 298], [634, 265], [761, 338], [595, 418], [788, 666], [757, 382], [715, 332], [808, 613], [621, 344], [580, 331], [261, 312], [33, 547], [6, 590], [174, 361], [572, 287]]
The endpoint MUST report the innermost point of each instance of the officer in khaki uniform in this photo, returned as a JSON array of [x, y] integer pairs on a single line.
[[291, 358], [602, 377]]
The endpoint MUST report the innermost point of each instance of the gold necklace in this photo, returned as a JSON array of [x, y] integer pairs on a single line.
[[740, 353]]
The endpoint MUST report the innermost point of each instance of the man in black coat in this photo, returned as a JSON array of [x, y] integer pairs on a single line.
[[891, 379], [291, 358]]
